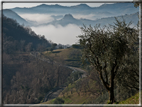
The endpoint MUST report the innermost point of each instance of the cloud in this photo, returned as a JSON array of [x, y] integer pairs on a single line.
[[59, 34], [87, 16], [39, 18]]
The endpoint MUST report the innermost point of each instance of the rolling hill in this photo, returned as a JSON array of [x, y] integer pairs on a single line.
[[13, 32], [13, 15]]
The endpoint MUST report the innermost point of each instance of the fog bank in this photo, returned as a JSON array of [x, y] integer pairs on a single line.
[[59, 34]]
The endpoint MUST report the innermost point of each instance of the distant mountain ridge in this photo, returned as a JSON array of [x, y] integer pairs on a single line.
[[69, 19], [104, 14], [116, 9]]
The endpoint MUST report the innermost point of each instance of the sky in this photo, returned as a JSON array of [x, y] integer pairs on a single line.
[[12, 5]]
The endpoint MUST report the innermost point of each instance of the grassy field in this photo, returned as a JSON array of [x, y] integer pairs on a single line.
[[85, 98], [58, 53], [69, 56]]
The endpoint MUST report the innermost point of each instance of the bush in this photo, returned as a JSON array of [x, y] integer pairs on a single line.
[[58, 101], [77, 46]]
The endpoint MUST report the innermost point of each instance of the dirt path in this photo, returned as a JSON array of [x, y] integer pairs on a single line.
[[80, 70], [55, 92]]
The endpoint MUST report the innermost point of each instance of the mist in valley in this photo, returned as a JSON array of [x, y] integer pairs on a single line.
[[59, 34], [56, 33]]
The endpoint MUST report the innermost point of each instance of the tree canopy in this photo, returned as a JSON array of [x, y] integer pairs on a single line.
[[107, 49]]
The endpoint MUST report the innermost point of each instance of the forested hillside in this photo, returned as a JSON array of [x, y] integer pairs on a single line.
[[21, 38], [27, 79]]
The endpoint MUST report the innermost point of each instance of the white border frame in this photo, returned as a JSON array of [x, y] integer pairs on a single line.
[[140, 33]]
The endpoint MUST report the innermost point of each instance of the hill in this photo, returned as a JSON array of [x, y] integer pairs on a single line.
[[67, 57], [27, 79], [88, 91], [18, 34], [67, 19], [11, 14]]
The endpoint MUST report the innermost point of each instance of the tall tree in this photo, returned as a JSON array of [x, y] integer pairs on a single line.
[[106, 49]]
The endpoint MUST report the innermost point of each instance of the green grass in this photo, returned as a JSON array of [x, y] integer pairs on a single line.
[[67, 100], [71, 86], [49, 102], [132, 100], [84, 98]]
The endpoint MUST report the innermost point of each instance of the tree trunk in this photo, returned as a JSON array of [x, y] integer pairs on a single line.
[[109, 87], [111, 92], [111, 95]]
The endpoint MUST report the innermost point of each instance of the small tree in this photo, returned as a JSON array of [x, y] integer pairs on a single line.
[[54, 45], [106, 48]]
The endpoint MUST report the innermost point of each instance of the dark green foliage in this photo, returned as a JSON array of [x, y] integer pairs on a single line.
[[76, 46], [58, 101]]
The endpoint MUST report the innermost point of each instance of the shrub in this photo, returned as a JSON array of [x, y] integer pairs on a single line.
[[58, 101]]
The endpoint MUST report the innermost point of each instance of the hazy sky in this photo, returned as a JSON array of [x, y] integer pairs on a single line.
[[12, 5]]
